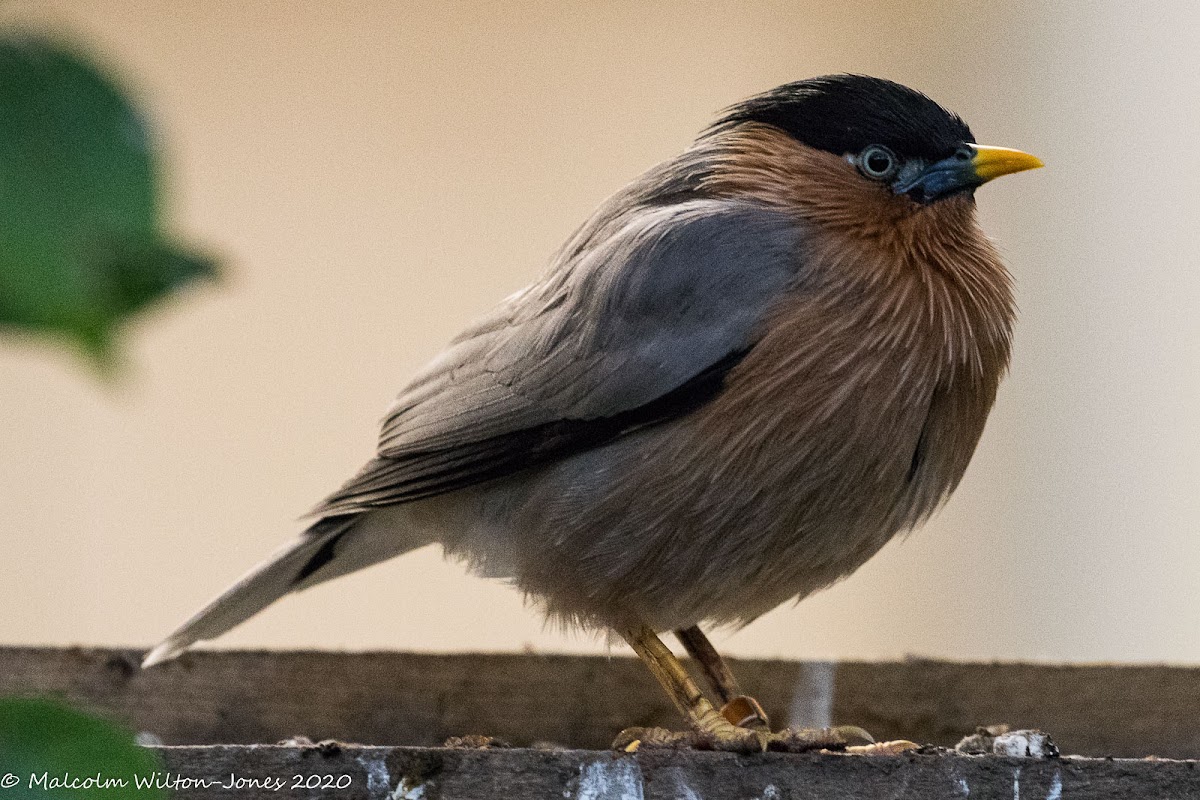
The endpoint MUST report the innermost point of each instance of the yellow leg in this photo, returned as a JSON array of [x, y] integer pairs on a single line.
[[739, 709], [709, 728], [665, 667]]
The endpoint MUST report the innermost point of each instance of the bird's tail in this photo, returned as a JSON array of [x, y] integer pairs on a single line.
[[331, 547]]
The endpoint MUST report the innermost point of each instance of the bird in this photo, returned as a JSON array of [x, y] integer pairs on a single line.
[[744, 374]]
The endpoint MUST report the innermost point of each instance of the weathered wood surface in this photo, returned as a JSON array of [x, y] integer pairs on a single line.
[[255, 773], [214, 697]]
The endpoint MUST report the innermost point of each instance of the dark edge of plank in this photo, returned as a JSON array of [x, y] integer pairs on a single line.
[[375, 773]]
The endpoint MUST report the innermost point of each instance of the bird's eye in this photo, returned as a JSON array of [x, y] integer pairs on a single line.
[[878, 163]]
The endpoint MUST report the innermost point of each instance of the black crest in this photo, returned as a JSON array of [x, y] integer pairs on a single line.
[[845, 113]]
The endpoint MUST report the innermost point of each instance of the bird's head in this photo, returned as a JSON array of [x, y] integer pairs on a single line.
[[892, 136]]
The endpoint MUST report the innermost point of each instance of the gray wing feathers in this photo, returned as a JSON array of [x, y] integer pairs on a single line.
[[644, 304], [670, 293], [615, 325]]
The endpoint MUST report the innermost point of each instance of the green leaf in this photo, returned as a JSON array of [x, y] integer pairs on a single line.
[[80, 242], [50, 751]]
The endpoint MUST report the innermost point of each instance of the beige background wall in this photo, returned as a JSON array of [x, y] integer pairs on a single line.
[[379, 173]]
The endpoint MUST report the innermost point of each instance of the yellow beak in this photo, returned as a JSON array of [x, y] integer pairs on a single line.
[[992, 162]]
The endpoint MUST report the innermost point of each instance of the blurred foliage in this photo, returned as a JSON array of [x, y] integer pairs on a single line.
[[61, 749], [80, 242]]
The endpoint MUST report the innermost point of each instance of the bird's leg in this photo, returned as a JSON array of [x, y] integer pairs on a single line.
[[709, 728], [716, 671], [741, 710]]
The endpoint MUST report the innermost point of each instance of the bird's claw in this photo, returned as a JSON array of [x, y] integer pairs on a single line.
[[727, 739], [806, 740], [892, 748], [747, 740], [850, 732]]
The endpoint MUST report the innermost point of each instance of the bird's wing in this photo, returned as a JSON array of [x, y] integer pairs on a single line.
[[636, 327]]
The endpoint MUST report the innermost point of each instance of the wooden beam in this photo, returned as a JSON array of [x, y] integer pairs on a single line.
[[222, 697], [411, 773]]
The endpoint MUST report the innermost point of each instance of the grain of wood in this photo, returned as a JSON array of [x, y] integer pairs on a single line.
[[228, 697]]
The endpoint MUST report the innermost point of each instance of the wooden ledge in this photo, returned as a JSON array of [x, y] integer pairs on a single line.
[[211, 707], [237, 697], [416, 773]]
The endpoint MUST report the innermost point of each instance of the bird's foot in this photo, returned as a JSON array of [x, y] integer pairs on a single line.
[[724, 737], [838, 739], [893, 748], [806, 740], [731, 738]]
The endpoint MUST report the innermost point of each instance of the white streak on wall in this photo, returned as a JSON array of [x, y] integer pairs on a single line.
[[379, 782], [619, 779], [1055, 786]]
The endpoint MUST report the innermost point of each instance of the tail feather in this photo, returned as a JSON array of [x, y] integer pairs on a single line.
[[333, 546]]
